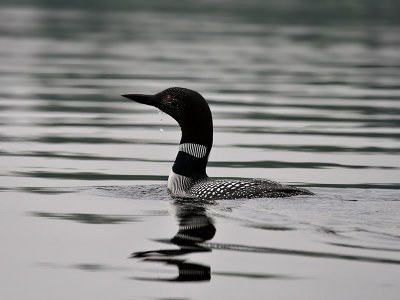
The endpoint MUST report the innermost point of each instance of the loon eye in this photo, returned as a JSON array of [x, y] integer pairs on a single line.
[[169, 98]]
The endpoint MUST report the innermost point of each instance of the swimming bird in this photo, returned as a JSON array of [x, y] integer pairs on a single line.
[[188, 177]]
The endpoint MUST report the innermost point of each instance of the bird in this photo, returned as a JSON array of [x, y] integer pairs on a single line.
[[188, 177]]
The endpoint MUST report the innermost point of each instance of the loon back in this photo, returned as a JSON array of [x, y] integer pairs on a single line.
[[188, 177]]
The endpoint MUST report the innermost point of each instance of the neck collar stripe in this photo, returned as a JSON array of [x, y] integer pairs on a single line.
[[195, 150]]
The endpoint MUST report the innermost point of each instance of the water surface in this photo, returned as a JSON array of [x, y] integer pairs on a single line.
[[85, 213]]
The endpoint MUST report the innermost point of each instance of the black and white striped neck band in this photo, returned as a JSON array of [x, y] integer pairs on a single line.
[[195, 150]]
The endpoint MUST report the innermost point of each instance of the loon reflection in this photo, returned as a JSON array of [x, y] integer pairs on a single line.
[[195, 227]]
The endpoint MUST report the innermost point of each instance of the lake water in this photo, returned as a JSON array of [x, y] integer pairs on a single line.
[[83, 202]]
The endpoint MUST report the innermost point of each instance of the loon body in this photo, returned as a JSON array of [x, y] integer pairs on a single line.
[[188, 177]]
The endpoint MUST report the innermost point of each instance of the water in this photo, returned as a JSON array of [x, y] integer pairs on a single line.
[[84, 211]]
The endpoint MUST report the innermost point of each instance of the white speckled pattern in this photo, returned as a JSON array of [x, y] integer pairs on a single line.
[[241, 188]]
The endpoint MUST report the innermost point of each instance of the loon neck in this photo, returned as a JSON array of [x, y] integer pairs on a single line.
[[191, 160], [196, 142], [189, 167]]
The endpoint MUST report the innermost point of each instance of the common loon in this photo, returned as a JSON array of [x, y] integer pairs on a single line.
[[188, 177]]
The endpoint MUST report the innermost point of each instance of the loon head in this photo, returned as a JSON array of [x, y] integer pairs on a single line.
[[180, 103], [187, 107]]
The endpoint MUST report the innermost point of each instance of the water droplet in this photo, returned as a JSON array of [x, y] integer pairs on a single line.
[[161, 113]]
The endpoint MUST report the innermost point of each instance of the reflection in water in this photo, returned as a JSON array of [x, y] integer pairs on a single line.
[[195, 227], [88, 218], [194, 224], [187, 271]]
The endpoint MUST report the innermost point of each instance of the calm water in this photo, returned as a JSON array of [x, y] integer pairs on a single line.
[[84, 210]]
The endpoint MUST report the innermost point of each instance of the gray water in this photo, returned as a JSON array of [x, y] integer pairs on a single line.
[[299, 94]]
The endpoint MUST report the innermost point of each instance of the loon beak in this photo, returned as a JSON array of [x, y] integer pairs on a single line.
[[144, 99]]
